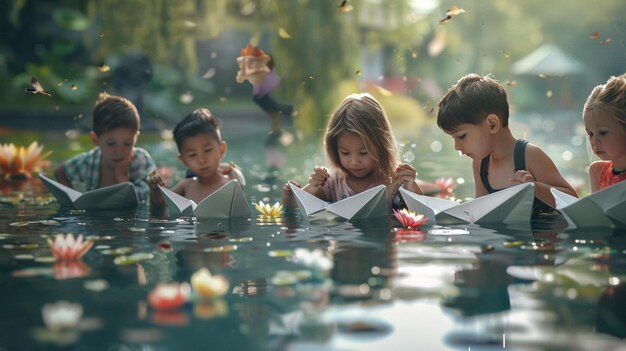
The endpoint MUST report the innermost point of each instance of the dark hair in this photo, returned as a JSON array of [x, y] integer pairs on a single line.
[[112, 112], [471, 100], [198, 121], [364, 116], [609, 97]]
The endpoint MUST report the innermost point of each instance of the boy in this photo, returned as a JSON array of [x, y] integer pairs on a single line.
[[201, 149], [475, 112], [114, 159]]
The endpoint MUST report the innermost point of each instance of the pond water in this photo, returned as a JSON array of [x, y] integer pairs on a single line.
[[538, 286]]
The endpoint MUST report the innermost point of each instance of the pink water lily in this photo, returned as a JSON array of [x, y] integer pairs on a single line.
[[68, 248], [409, 219]]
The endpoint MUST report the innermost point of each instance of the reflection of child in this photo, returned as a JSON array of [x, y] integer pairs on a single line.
[[475, 112], [115, 159], [201, 149], [604, 115], [362, 152]]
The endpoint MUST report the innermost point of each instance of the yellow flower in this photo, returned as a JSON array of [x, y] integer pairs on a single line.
[[20, 161], [269, 211]]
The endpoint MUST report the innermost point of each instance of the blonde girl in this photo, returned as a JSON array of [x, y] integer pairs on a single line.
[[604, 115]]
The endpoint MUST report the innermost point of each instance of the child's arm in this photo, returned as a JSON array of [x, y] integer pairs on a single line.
[[61, 176], [316, 182], [405, 173], [154, 180], [544, 173], [595, 170], [232, 171]]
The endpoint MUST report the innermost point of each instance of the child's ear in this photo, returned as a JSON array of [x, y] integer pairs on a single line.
[[223, 148], [94, 138], [493, 122]]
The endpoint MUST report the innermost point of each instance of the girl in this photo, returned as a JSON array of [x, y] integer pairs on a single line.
[[604, 115], [362, 152]]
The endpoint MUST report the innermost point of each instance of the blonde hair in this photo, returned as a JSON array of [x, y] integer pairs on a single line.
[[363, 115], [610, 98]]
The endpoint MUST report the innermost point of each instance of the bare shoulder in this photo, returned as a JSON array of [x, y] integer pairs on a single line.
[[596, 167], [535, 156], [182, 187]]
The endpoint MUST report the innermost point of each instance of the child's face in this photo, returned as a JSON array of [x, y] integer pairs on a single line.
[[353, 155], [202, 154], [116, 145], [606, 136], [472, 140]]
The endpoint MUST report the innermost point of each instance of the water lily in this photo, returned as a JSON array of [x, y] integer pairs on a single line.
[[409, 219], [70, 269], [314, 259], [268, 211], [66, 247], [62, 315], [446, 187], [18, 161], [167, 296], [207, 285]]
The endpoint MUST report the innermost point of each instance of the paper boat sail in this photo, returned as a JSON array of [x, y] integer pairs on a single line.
[[604, 208], [510, 205], [227, 201], [367, 204], [116, 196]]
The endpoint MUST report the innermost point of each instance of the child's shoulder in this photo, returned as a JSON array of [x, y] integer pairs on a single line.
[[597, 167]]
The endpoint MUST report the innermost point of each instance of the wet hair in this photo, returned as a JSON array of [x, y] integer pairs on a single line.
[[111, 112], [200, 120], [363, 115], [471, 100], [610, 98]]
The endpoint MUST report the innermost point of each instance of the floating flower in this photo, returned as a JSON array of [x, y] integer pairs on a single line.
[[70, 269], [62, 315], [167, 296], [252, 65], [446, 187], [409, 218], [268, 211], [207, 285], [67, 248], [18, 161], [314, 259]]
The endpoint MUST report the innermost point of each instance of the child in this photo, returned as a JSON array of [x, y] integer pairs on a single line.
[[475, 112], [362, 152], [201, 149], [604, 115], [114, 159]]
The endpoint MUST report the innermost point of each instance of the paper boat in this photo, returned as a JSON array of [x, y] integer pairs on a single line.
[[227, 201], [510, 205], [604, 208], [116, 196], [367, 204]]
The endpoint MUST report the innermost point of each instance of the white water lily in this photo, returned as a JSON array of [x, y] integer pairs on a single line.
[[314, 259], [62, 315]]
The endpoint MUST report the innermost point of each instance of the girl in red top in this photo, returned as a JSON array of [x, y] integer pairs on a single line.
[[604, 116]]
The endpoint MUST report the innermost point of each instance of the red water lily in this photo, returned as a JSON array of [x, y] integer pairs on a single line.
[[409, 219], [167, 296], [68, 248]]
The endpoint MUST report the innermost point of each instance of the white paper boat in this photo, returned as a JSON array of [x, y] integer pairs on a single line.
[[367, 204], [227, 201], [604, 208], [116, 196], [510, 205]]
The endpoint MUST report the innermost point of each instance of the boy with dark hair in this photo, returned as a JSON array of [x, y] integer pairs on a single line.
[[475, 113], [114, 159]]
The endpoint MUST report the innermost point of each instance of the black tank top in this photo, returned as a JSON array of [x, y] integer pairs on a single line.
[[519, 160]]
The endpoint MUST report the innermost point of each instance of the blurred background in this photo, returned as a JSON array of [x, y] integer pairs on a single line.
[[170, 57]]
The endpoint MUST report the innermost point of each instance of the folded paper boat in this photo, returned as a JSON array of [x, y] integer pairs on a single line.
[[118, 196], [227, 201], [370, 203], [510, 205], [605, 208]]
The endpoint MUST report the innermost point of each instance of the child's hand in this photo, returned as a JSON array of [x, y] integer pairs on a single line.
[[318, 177], [523, 177], [288, 198], [154, 180], [406, 174], [232, 171], [122, 169]]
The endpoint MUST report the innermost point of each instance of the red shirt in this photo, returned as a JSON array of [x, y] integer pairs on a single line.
[[607, 178]]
